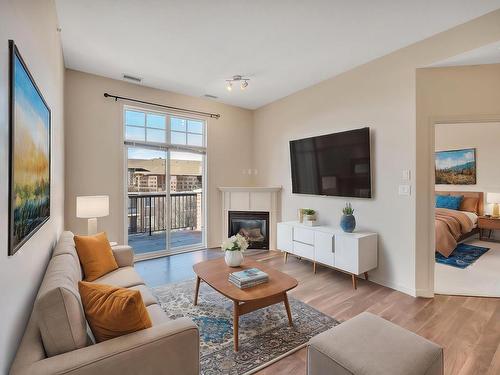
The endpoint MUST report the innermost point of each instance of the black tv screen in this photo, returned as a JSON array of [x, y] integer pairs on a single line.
[[336, 164]]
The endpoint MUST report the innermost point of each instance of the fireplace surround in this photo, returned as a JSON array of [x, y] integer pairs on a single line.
[[253, 225], [252, 200]]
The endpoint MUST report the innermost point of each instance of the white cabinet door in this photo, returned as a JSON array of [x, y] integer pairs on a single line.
[[346, 253], [303, 250], [323, 248], [303, 235], [284, 237]]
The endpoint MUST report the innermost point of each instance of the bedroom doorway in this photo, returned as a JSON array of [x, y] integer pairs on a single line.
[[466, 191]]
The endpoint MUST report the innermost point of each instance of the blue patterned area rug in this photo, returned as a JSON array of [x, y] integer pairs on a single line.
[[463, 255], [264, 335]]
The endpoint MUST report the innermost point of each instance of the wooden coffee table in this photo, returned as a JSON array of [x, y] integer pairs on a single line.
[[216, 273]]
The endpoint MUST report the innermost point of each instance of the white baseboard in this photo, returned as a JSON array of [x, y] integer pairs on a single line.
[[398, 287], [467, 293], [425, 293]]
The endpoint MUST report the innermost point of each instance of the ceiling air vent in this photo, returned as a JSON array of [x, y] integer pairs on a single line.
[[210, 96], [128, 77]]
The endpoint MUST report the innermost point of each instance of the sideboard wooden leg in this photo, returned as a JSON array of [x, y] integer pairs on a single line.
[[366, 275], [314, 267], [286, 256], [354, 284]]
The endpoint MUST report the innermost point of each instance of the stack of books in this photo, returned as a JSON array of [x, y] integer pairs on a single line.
[[248, 278]]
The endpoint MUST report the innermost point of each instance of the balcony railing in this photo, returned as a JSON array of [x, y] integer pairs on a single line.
[[146, 212]]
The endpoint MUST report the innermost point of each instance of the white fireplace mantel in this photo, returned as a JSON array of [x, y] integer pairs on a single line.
[[263, 199]]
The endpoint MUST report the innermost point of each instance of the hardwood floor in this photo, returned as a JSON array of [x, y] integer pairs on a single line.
[[467, 327]]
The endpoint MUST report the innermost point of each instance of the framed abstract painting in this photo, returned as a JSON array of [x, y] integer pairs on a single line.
[[29, 155], [456, 167]]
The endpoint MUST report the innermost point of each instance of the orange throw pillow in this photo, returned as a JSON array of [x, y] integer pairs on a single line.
[[95, 255], [112, 311], [469, 204]]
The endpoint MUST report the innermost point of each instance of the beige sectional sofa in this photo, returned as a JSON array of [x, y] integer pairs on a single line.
[[57, 339]]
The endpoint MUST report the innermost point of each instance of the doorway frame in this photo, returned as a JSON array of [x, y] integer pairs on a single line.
[[431, 123]]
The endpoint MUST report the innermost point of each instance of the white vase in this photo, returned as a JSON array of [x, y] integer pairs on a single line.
[[233, 258]]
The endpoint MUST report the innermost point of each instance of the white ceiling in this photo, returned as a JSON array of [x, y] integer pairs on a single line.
[[192, 46], [489, 54]]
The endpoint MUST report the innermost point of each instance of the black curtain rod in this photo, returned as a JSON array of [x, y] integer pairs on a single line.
[[116, 97]]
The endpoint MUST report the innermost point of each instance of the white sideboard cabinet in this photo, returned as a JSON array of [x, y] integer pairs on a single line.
[[353, 253]]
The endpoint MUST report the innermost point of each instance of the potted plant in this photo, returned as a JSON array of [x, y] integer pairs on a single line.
[[348, 221], [309, 214], [234, 248]]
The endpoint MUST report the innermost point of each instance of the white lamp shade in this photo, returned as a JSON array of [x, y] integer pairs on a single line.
[[91, 206], [493, 198]]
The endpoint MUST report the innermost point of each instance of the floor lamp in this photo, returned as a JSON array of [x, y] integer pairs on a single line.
[[91, 207]]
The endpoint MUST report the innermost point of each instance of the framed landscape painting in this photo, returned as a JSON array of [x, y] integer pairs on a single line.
[[29, 156], [456, 167]]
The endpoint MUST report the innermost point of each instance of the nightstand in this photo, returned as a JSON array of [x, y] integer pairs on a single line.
[[487, 223]]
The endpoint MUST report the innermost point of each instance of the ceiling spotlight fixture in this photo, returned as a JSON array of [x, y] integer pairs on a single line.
[[237, 78]]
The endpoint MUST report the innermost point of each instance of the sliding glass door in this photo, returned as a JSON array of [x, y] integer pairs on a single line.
[[165, 194], [147, 191], [186, 199]]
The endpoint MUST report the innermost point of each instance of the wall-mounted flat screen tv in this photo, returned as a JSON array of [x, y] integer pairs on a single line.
[[336, 164]]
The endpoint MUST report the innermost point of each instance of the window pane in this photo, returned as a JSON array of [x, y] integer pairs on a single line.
[[134, 118], [133, 133], [195, 126], [195, 139], [155, 135], [178, 124], [155, 121], [178, 138]]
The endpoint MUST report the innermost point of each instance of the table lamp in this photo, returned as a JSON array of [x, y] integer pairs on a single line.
[[495, 199], [91, 207]]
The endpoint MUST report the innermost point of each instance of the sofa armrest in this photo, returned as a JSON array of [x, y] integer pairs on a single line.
[[168, 348], [124, 255]]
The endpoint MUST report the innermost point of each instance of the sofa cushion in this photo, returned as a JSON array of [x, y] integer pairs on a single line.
[[147, 296], [58, 308], [157, 315], [61, 321], [124, 277], [95, 255], [65, 245], [113, 311]]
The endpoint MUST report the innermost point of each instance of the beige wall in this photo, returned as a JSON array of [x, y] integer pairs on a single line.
[[32, 25], [446, 95], [95, 151], [485, 138], [381, 95]]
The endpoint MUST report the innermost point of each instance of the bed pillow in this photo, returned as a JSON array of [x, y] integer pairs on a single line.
[[469, 204], [451, 202]]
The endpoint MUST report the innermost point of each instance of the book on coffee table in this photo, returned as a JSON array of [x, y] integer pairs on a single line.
[[248, 278]]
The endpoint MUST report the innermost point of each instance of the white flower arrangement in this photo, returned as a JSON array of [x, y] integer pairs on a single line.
[[235, 243]]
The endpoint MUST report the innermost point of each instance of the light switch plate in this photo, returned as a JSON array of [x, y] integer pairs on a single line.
[[404, 190]]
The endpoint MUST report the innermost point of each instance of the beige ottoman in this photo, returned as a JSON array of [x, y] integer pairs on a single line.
[[370, 345]]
